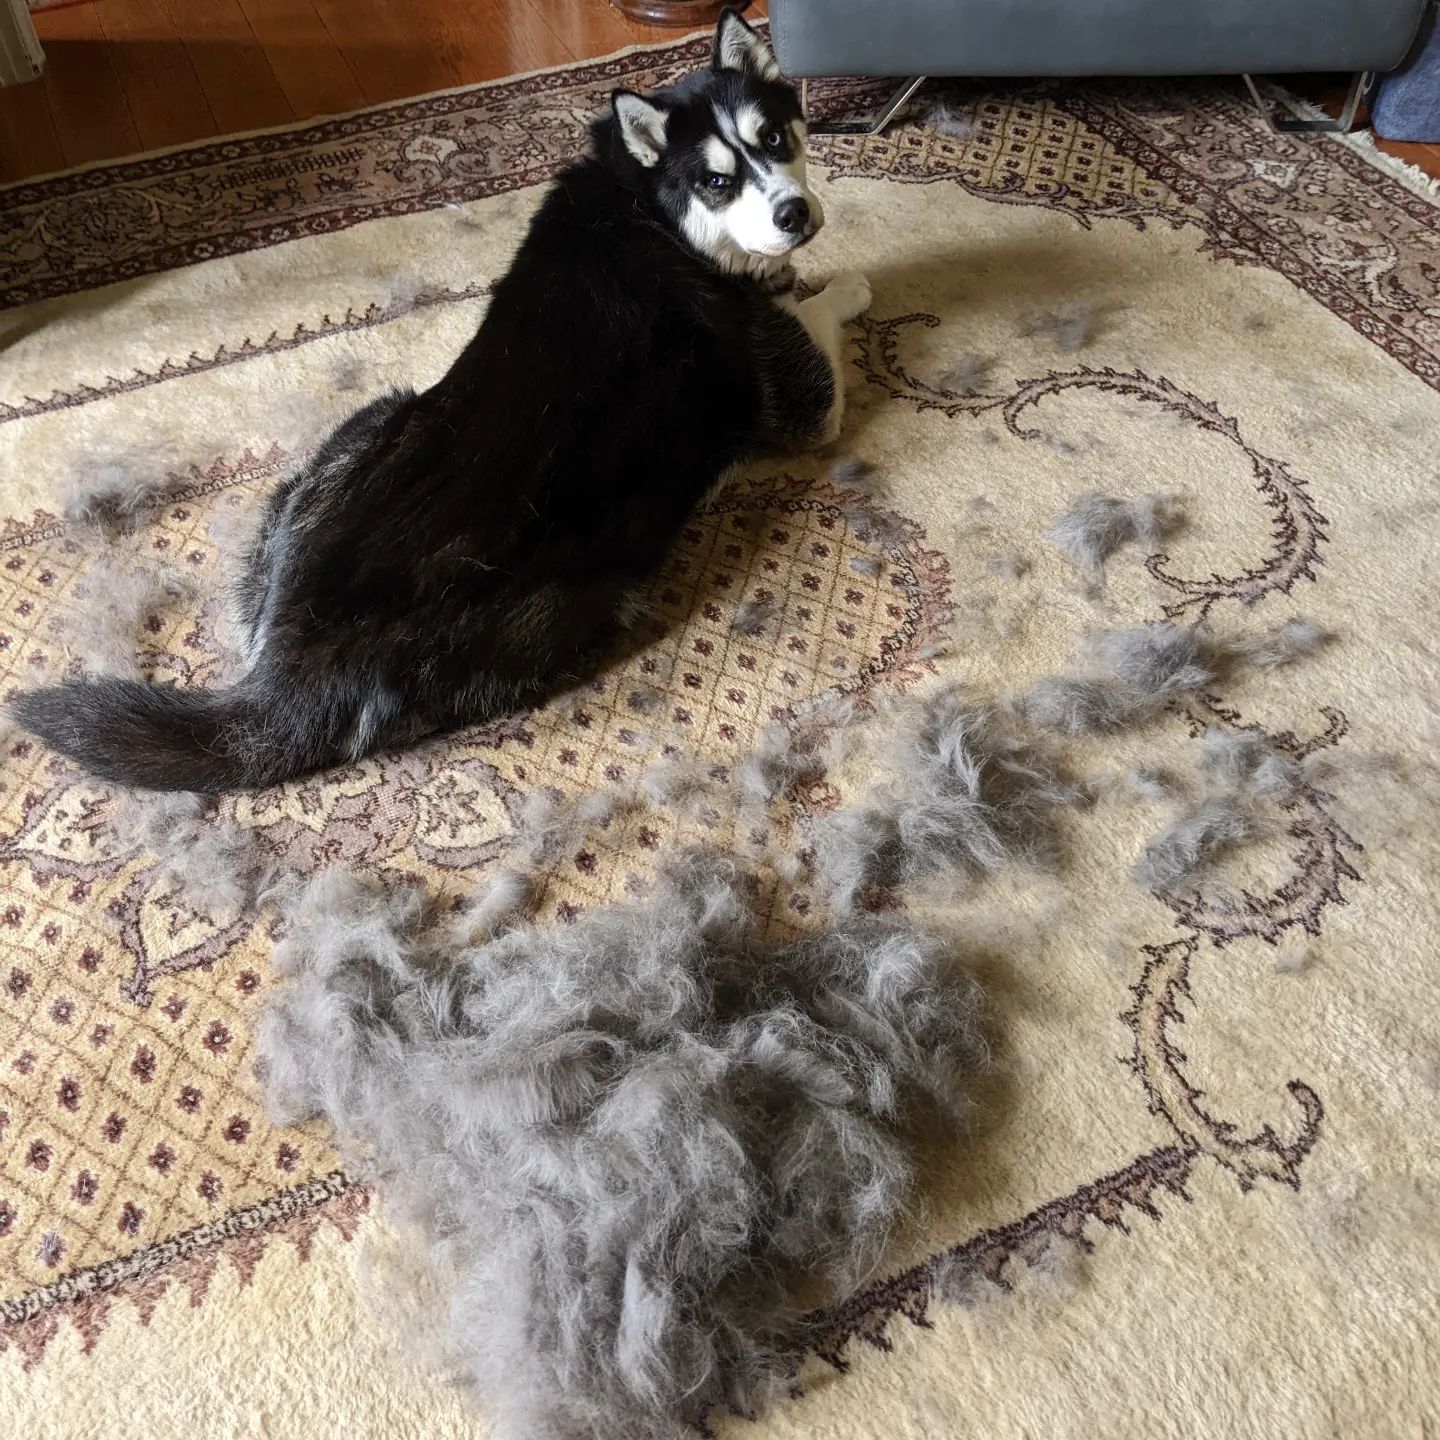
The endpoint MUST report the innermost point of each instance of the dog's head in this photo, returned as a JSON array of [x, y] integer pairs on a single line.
[[722, 154]]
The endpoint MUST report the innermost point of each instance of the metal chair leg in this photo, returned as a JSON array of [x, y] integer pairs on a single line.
[[1282, 124], [892, 108]]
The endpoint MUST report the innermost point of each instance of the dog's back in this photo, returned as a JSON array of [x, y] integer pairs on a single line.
[[448, 556]]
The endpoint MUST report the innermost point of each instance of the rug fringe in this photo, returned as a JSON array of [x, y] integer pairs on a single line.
[[1365, 144]]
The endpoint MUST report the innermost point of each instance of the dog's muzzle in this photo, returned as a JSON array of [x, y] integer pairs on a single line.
[[794, 217]]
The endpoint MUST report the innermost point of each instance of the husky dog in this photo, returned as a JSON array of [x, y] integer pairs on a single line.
[[447, 557]]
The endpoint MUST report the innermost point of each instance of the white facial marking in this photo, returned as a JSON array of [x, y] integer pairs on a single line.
[[710, 233], [750, 220], [719, 156], [739, 233], [725, 124]]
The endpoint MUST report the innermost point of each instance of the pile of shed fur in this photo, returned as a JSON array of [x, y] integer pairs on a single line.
[[629, 1140], [633, 1142]]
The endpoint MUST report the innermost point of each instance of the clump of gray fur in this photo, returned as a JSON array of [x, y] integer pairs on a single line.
[[114, 495], [1244, 762], [627, 1139], [348, 373], [1070, 326], [1157, 658], [1241, 772], [967, 796], [1149, 783], [1006, 565], [967, 374], [1135, 673], [1173, 856], [644, 698], [215, 862], [505, 901], [787, 754], [753, 617], [1297, 959], [112, 606], [1096, 526], [404, 293], [944, 117], [1294, 640], [854, 473], [870, 525]]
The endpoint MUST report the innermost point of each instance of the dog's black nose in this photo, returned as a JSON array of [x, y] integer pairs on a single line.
[[792, 215]]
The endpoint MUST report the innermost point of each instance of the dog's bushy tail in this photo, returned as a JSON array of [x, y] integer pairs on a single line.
[[157, 737]]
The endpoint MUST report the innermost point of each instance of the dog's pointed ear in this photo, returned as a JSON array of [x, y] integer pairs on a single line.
[[738, 47], [642, 126]]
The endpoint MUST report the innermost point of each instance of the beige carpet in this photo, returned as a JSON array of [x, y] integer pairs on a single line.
[[1200, 1197]]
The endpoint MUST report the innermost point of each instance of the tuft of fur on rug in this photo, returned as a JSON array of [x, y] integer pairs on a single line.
[[1070, 327], [1133, 674], [1007, 565], [787, 754], [1149, 783], [1294, 640], [1096, 526], [1296, 959], [1245, 762], [347, 373], [856, 474], [115, 494], [626, 1140], [753, 617], [1177, 854], [1241, 773], [215, 862], [955, 123], [113, 607], [967, 374], [966, 795]]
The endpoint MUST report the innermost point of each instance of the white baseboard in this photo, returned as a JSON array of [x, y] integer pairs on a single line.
[[21, 57]]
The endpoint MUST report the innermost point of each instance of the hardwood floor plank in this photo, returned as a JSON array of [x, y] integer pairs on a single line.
[[237, 79], [28, 142], [304, 56], [1426, 157], [386, 48], [599, 29], [154, 70], [488, 41], [87, 105]]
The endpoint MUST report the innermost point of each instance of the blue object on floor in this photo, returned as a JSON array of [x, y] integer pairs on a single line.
[[1406, 105]]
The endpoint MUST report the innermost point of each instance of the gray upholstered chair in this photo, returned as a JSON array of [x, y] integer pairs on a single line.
[[919, 38]]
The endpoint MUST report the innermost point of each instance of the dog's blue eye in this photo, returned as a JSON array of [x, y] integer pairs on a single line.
[[717, 181], [773, 140]]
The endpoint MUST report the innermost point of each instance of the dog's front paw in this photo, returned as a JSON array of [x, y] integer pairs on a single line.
[[780, 282], [849, 295]]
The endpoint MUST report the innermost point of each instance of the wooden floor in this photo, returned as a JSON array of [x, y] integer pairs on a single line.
[[130, 75]]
